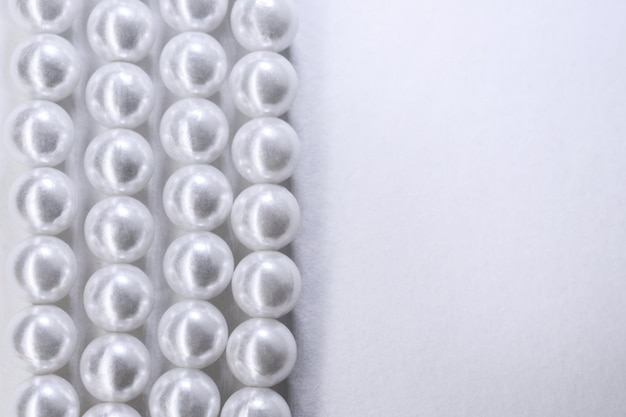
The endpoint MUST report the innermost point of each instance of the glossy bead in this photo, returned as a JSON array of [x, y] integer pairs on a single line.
[[194, 130], [193, 64], [255, 402], [192, 334], [43, 267], [45, 396], [43, 338], [121, 30], [266, 284], [261, 352], [264, 25], [266, 150], [115, 367], [119, 161], [120, 95], [119, 298], [43, 201], [197, 15], [197, 197], [263, 84], [198, 265], [184, 392], [265, 217], [45, 16], [46, 67], [39, 133], [119, 229], [111, 410]]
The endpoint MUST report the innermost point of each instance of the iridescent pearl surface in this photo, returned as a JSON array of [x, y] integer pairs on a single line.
[[111, 410], [196, 15], [255, 402], [45, 396], [184, 392], [264, 25], [45, 16]]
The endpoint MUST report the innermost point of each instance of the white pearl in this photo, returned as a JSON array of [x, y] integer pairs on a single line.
[[194, 130], [119, 161], [197, 15], [266, 150], [43, 201], [269, 25], [43, 267], [46, 16], [43, 338], [121, 30], [255, 402], [266, 284], [45, 396], [265, 217], [184, 392], [118, 298], [193, 64], [198, 265], [119, 229], [111, 410], [261, 352], [192, 334], [39, 133], [263, 84], [115, 367], [120, 95], [197, 197]]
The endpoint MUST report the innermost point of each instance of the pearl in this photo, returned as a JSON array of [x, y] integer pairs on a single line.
[[120, 95], [119, 161], [43, 201], [119, 298], [49, 16], [197, 197], [263, 84], [184, 392], [193, 64], [255, 402], [111, 410], [119, 229], [265, 217], [197, 15], [46, 396], [266, 150], [115, 367], [264, 25], [192, 334], [39, 133], [194, 130], [261, 352], [266, 284], [198, 265], [43, 338], [43, 267]]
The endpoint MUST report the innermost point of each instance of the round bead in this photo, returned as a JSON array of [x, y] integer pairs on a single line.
[[192, 334], [266, 284], [194, 130], [198, 265], [119, 298], [45, 16], [193, 64], [255, 402], [197, 197], [119, 229], [43, 267], [266, 150], [119, 161], [120, 95], [39, 133], [263, 84], [265, 217], [184, 392], [197, 15], [261, 352], [43, 201], [121, 30], [43, 338], [46, 396], [115, 367], [111, 410], [264, 25]]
